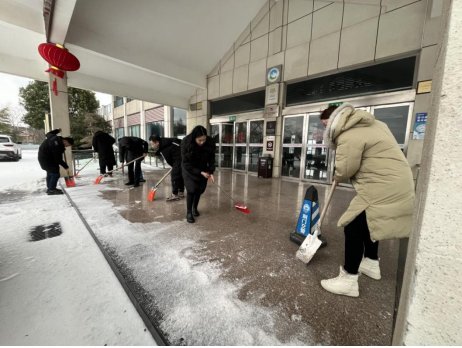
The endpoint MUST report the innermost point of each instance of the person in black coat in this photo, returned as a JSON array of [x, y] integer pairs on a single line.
[[131, 148], [198, 164], [102, 144], [170, 150], [50, 157]]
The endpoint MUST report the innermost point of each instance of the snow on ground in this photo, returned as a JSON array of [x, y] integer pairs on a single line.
[[57, 291], [197, 306]]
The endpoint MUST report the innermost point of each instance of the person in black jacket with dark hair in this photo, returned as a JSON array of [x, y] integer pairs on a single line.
[[102, 144], [170, 150], [198, 164], [131, 148], [50, 157]]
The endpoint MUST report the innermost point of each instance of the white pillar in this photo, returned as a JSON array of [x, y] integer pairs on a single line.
[[59, 106], [430, 311], [142, 121], [125, 118]]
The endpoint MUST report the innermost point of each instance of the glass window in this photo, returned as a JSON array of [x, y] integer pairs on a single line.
[[241, 133], [315, 130], [256, 132], [226, 157], [254, 153], [227, 133], [155, 128], [395, 118], [241, 156], [215, 133], [118, 101], [291, 161], [179, 122], [316, 162], [119, 133], [134, 131], [293, 130]]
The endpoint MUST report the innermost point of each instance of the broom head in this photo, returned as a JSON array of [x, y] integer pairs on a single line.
[[242, 208], [152, 194], [98, 179], [69, 181]]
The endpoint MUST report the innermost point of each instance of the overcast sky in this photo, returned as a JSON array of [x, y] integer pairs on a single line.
[[9, 91]]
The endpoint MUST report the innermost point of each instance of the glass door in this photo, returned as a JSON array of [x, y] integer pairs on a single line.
[[255, 144], [317, 153], [240, 145], [226, 154], [292, 146]]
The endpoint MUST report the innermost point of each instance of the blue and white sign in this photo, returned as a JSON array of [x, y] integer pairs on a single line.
[[420, 125], [273, 74]]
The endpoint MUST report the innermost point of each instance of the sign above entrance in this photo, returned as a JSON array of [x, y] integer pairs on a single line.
[[231, 118], [272, 111], [272, 94], [273, 74]]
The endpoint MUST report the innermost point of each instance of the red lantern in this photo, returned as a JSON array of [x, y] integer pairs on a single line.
[[59, 58]]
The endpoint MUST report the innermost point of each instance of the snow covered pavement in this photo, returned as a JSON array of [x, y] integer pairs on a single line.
[[59, 290]]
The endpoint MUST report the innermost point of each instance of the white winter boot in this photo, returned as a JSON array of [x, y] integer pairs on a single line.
[[370, 268], [345, 284]]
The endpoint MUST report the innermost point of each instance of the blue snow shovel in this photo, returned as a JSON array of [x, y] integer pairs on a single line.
[[308, 217]]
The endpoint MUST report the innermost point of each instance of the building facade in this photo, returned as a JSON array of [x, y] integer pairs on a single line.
[[296, 57], [131, 117]]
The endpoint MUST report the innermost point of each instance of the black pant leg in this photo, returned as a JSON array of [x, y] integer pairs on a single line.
[[131, 173], [137, 171], [354, 243], [102, 166], [197, 197], [189, 201], [370, 248], [177, 179]]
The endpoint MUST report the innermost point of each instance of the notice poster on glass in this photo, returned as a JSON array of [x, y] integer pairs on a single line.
[[419, 126]]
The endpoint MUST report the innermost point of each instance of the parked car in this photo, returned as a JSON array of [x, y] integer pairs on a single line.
[[9, 149]]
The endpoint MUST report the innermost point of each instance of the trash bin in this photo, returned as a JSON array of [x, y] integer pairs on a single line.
[[265, 167]]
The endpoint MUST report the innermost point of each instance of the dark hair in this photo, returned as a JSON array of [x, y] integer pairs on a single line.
[[327, 112], [198, 131], [154, 138], [69, 140]]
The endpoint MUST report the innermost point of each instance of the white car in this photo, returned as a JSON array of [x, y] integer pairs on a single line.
[[9, 149]]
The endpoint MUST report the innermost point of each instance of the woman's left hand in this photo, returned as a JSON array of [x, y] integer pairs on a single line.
[[212, 178]]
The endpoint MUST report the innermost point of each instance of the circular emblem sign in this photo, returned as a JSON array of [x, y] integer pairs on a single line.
[[273, 75]]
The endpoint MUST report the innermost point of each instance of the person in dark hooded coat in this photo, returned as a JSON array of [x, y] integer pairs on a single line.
[[50, 157], [198, 164], [131, 148], [102, 144], [170, 150]]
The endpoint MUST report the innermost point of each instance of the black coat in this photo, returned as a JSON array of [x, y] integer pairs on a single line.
[[50, 154], [197, 159], [170, 149], [102, 143], [131, 148]]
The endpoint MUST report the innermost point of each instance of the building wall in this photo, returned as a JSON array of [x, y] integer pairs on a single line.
[[313, 38], [430, 311]]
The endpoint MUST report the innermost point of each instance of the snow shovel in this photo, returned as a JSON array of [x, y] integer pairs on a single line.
[[100, 177], [77, 173], [69, 180], [152, 192], [312, 242], [239, 206]]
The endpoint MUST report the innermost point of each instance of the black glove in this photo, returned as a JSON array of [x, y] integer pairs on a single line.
[[65, 166]]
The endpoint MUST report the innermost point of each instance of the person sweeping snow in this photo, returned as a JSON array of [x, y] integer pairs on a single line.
[[368, 155], [198, 164]]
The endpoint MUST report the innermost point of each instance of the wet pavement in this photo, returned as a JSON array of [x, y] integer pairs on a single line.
[[254, 250]]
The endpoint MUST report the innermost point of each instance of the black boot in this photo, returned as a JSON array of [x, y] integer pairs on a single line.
[[190, 217], [195, 212]]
